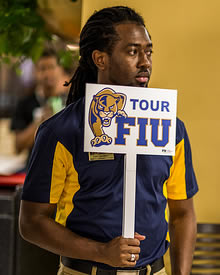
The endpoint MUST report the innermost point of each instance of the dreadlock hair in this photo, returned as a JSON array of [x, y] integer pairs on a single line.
[[97, 34]]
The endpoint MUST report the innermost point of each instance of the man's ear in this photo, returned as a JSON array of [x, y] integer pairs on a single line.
[[100, 59]]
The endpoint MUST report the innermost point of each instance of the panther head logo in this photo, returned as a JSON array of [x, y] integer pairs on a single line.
[[105, 105]]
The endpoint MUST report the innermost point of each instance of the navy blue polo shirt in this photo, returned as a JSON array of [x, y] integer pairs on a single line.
[[89, 194]]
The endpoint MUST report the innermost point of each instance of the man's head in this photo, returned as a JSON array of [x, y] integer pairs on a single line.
[[104, 39], [130, 60], [48, 71]]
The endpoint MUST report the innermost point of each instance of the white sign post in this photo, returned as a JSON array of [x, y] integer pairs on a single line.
[[130, 161], [130, 121]]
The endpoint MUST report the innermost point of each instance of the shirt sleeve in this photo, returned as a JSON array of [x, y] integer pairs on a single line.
[[47, 168], [182, 182]]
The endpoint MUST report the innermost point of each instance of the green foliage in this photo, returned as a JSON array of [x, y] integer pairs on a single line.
[[22, 32], [67, 58]]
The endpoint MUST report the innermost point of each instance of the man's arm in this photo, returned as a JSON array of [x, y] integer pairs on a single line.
[[37, 226], [182, 228]]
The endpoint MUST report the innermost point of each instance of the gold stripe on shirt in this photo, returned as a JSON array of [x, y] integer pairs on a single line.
[[64, 183], [176, 183]]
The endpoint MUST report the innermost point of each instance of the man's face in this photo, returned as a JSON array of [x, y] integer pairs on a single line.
[[130, 62], [47, 72]]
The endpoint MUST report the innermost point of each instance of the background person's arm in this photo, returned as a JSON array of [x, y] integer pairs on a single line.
[[182, 228], [24, 139], [37, 226]]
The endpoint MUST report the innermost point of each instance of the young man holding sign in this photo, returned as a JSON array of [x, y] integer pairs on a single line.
[[87, 193]]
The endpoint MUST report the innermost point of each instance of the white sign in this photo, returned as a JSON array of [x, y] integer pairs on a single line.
[[119, 119], [129, 120]]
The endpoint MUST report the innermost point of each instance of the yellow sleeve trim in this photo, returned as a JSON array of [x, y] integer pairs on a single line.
[[166, 210], [64, 183], [176, 183], [58, 173]]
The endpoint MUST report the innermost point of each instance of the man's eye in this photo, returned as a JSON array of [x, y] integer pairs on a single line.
[[149, 53], [133, 52]]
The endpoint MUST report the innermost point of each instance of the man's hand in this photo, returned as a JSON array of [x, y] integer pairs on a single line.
[[118, 251]]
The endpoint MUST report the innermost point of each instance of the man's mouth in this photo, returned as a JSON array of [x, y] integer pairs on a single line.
[[143, 77]]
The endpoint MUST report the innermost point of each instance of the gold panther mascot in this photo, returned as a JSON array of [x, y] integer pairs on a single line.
[[106, 104]]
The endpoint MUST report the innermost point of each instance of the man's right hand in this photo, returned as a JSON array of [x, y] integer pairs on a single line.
[[118, 251]]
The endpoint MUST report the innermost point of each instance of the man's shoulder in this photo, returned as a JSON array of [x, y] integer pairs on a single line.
[[180, 130], [179, 123]]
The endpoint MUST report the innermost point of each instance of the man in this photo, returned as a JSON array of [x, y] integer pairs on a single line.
[[34, 108], [115, 48]]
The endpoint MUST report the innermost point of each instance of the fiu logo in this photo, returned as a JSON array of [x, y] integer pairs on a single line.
[[105, 105]]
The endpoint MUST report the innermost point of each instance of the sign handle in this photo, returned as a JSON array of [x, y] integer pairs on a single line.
[[129, 196]]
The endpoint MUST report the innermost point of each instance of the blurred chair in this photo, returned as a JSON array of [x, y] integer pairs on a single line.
[[206, 258]]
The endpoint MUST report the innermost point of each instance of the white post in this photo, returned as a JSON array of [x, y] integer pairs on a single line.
[[130, 160]]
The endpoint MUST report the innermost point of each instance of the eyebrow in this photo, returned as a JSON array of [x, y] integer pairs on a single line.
[[149, 45]]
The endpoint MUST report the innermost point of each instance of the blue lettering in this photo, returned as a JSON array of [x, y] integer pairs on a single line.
[[154, 137], [152, 105], [142, 131], [165, 105], [144, 104], [134, 103], [121, 131]]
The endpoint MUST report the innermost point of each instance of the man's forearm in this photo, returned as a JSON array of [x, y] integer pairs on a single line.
[[58, 239], [183, 236], [37, 227]]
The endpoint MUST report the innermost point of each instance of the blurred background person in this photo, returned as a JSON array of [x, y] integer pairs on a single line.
[[45, 98]]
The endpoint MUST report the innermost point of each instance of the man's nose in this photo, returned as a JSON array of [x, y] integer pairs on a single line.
[[144, 61]]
